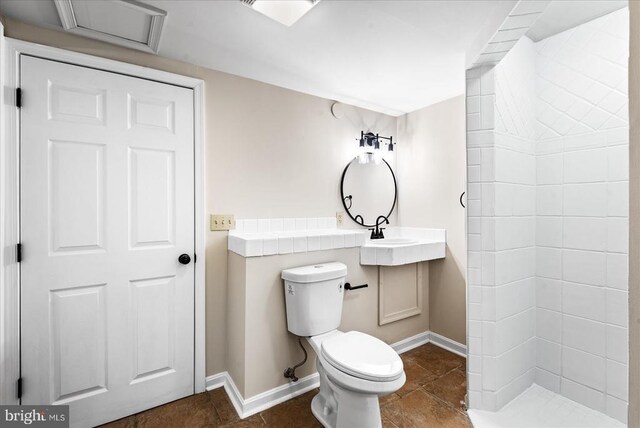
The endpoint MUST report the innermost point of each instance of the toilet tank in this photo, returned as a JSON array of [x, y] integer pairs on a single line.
[[313, 296]]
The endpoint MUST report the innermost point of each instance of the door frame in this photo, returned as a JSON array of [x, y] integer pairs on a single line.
[[10, 191]]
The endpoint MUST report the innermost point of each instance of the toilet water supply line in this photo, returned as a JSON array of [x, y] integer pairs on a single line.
[[290, 372]]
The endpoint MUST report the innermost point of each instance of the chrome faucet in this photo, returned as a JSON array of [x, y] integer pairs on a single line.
[[377, 232]]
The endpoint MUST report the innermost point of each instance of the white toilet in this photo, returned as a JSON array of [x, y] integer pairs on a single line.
[[355, 368]]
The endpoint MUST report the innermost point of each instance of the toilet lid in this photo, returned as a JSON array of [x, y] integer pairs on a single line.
[[362, 356]]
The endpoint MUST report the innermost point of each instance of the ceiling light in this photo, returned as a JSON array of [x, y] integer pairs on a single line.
[[286, 12]]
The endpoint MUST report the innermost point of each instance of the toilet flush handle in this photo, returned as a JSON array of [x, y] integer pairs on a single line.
[[348, 286]]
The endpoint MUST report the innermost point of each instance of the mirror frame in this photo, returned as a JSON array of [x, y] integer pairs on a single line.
[[344, 203]]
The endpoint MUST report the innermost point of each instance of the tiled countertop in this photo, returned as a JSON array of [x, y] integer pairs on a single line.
[[286, 242]]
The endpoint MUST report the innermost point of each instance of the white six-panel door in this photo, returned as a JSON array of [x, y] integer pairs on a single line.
[[107, 207]]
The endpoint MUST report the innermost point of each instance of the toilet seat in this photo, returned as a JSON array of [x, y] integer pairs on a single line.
[[362, 356]]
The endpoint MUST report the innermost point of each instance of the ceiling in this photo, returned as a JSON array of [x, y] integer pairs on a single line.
[[562, 15], [389, 56]]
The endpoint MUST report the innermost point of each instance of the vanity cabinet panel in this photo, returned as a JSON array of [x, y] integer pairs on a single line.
[[400, 291]]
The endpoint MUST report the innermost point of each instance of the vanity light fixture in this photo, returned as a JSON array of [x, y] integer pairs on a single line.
[[286, 12], [370, 147]]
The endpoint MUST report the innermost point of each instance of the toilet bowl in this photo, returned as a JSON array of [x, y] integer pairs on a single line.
[[355, 368]]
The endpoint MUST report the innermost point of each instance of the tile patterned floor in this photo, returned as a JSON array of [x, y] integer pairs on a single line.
[[436, 384]]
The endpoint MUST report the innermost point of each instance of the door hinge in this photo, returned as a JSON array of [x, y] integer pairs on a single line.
[[19, 387], [195, 257], [18, 253], [18, 97]]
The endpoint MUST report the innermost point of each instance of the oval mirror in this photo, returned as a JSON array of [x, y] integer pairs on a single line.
[[368, 191]]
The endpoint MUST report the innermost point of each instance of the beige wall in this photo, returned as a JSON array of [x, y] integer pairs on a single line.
[[269, 348], [634, 216], [431, 176], [271, 152]]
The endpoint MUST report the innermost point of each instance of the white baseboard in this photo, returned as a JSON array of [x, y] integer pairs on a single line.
[[411, 342], [448, 344], [282, 393]]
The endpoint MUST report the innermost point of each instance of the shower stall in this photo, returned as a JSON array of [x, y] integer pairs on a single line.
[[548, 171]]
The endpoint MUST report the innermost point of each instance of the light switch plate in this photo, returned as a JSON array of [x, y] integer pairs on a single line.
[[221, 222]]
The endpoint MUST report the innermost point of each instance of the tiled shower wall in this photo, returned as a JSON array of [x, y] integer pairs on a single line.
[[582, 213], [547, 144], [502, 179]]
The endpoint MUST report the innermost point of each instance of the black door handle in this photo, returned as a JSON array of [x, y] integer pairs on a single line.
[[184, 259], [461, 196]]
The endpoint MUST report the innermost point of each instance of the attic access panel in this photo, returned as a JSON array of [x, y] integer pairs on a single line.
[[122, 22]]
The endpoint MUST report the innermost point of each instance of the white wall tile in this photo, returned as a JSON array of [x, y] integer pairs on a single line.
[[618, 199], [513, 298], [549, 231], [618, 271], [549, 169], [514, 265], [617, 409], [617, 307], [548, 325], [548, 355], [583, 301], [585, 267], [548, 380], [473, 87], [583, 395], [618, 162], [585, 233], [618, 235], [585, 200], [514, 232], [617, 380], [584, 368], [549, 262], [548, 293], [585, 166], [557, 220], [583, 334], [549, 200]]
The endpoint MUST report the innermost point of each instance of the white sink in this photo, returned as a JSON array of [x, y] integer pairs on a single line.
[[404, 245], [392, 242]]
